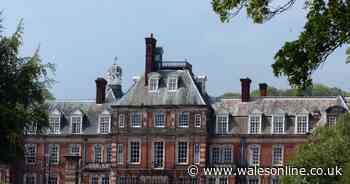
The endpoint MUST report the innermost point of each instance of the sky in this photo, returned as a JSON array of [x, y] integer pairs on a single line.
[[83, 37]]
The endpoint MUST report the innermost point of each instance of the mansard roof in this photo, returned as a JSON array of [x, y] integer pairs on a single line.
[[186, 94], [269, 105], [90, 112]]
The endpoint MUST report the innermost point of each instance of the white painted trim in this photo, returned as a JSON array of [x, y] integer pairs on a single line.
[[200, 120], [102, 115], [273, 122], [154, 119], [260, 123], [282, 154], [152, 154], [71, 123], [129, 151], [177, 151], [226, 115], [188, 120], [296, 123]]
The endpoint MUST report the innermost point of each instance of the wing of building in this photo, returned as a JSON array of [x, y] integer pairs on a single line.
[[166, 123]]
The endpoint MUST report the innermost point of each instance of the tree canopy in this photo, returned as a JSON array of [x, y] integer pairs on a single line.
[[327, 148], [327, 28], [23, 90], [314, 90]]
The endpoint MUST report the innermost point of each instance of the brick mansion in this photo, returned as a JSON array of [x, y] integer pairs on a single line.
[[164, 123]]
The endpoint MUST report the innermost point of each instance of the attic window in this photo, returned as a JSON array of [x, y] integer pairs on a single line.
[[172, 84], [255, 124], [104, 122], [302, 123], [153, 84]]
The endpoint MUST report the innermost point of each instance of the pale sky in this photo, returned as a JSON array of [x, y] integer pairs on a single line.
[[83, 37]]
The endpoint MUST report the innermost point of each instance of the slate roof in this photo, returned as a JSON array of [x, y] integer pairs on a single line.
[[187, 93], [271, 105], [88, 108]]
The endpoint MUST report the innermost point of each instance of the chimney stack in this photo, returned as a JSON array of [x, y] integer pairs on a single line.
[[150, 50], [245, 87], [100, 90], [263, 89]]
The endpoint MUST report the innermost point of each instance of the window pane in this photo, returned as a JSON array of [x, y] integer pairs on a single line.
[[254, 124], [184, 119], [278, 124], [182, 152], [75, 149], [158, 154], [134, 152], [54, 123], [254, 155], [53, 153], [196, 153], [97, 153], [302, 124], [197, 120], [121, 120], [104, 124], [159, 119], [30, 153], [222, 124], [136, 119], [172, 84], [227, 154], [76, 125], [153, 84], [120, 153], [109, 153], [277, 155]]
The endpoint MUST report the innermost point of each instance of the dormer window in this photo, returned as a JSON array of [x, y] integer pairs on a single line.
[[278, 124], [172, 84], [54, 122], [301, 124], [153, 84], [222, 124], [104, 122], [255, 124], [76, 122]]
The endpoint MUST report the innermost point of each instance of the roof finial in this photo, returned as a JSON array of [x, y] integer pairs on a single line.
[[151, 35], [115, 60]]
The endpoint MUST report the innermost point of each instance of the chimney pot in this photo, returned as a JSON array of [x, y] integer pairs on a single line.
[[263, 89], [100, 90], [245, 89]]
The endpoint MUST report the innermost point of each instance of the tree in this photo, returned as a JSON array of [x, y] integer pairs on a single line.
[[327, 148], [314, 90], [23, 89], [327, 28]]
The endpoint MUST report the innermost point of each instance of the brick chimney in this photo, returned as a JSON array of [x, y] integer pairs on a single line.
[[263, 89], [245, 87], [100, 90], [150, 50]]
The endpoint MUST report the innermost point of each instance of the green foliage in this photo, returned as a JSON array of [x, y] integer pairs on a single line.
[[314, 90], [23, 91], [327, 148], [327, 28]]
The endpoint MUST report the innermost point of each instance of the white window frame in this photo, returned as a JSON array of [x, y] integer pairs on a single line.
[[196, 153], [107, 128], [153, 84], [297, 125], [156, 114], [221, 154], [277, 161], [172, 84], [139, 152], [26, 177], [72, 150], [182, 120], [224, 149], [121, 120], [80, 122], [154, 155], [55, 127], [57, 154], [197, 120], [178, 153], [223, 129], [98, 156], [29, 157], [251, 116], [109, 153], [120, 154], [132, 119], [274, 117], [253, 162]]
